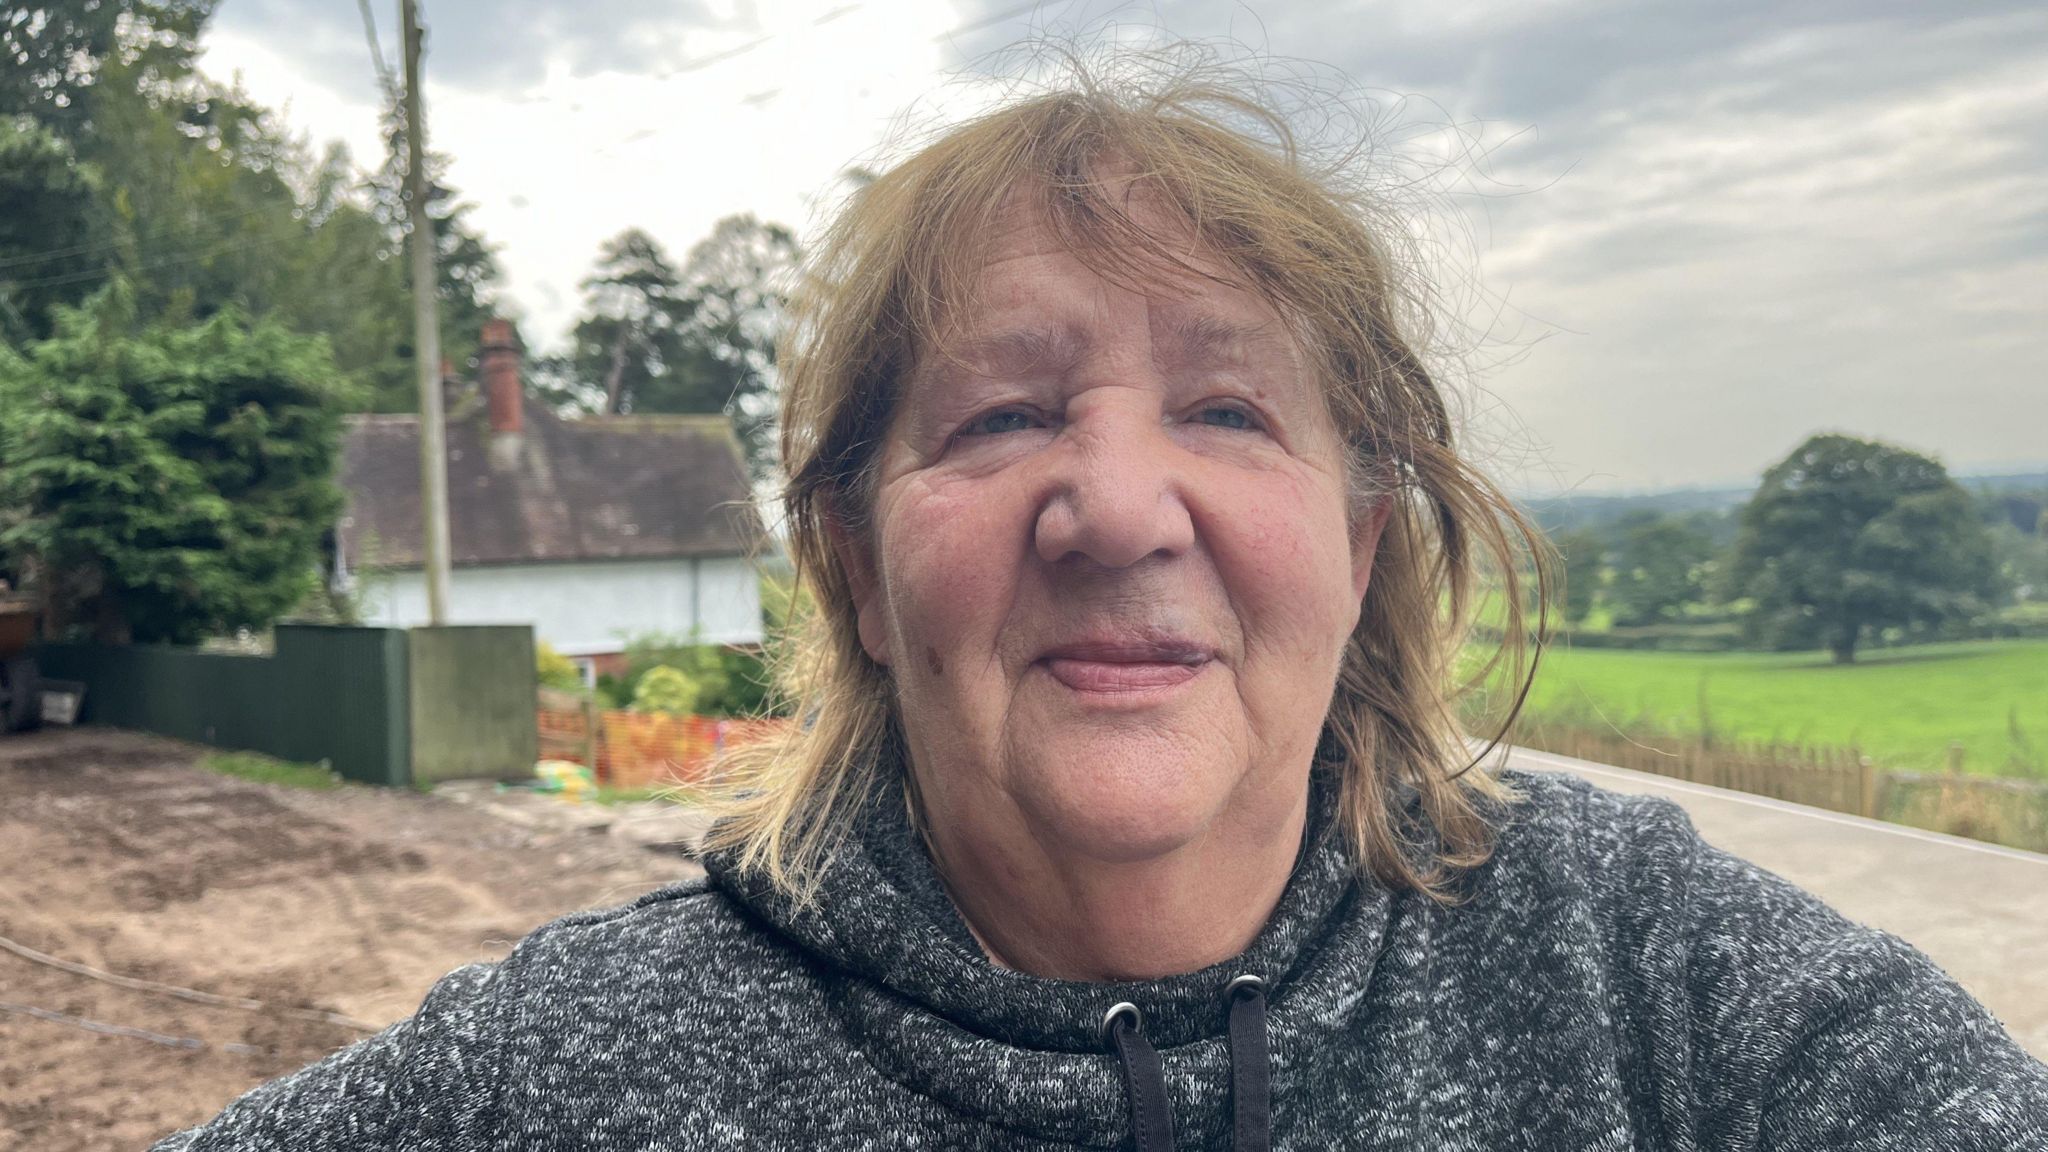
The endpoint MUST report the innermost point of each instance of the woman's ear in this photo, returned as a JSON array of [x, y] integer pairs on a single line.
[[1365, 542], [858, 562]]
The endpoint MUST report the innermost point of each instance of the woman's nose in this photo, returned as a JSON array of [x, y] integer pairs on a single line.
[[1117, 493]]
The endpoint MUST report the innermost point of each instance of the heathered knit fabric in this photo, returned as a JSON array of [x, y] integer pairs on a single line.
[[1611, 982]]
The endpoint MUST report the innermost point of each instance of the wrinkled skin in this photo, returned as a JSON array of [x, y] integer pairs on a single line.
[[1112, 565]]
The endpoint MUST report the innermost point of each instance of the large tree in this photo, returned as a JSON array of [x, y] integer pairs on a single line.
[[1582, 554], [737, 280], [199, 200], [52, 230], [72, 75], [168, 481], [59, 55], [119, 159], [1847, 536], [1661, 563], [654, 338], [628, 351]]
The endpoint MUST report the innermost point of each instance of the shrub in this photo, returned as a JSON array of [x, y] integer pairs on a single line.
[[729, 681], [556, 670], [665, 689]]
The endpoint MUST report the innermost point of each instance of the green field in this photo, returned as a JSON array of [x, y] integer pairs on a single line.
[[1903, 707]]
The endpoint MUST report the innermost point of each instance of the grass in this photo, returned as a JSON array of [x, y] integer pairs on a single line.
[[673, 793], [269, 770], [1903, 707]]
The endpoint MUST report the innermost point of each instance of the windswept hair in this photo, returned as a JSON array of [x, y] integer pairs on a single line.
[[900, 262]]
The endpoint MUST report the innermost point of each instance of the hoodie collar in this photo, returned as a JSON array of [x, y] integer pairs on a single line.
[[883, 915]]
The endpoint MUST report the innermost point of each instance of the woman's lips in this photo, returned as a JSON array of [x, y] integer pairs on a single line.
[[1125, 669], [1118, 676]]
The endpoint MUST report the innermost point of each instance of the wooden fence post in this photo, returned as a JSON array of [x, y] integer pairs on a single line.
[[1868, 784], [590, 735]]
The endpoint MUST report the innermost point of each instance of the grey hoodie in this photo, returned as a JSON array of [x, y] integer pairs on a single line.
[[1609, 982]]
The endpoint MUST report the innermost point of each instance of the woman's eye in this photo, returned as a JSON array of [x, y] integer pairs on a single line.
[[1223, 416], [997, 423]]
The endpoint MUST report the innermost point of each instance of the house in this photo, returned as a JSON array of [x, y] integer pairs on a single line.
[[593, 530]]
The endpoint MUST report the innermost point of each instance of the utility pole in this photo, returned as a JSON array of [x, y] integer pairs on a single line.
[[426, 329]]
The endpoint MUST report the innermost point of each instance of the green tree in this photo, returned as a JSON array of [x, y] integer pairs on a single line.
[[2022, 561], [119, 159], [1661, 563], [52, 230], [737, 281], [628, 351], [1845, 536], [201, 201], [1582, 554], [728, 681], [699, 340], [169, 481], [58, 55]]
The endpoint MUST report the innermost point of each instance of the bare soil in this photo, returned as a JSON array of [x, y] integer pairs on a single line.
[[118, 853]]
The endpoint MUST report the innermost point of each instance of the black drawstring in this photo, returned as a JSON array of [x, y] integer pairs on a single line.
[[1251, 1067], [1144, 1079], [1251, 1072]]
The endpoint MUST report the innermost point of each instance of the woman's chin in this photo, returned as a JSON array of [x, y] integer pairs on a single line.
[[1119, 807]]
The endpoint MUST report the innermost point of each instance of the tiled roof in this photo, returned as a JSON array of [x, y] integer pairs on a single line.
[[603, 488]]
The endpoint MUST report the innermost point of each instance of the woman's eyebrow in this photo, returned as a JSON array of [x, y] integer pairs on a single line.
[[1201, 338], [1013, 351]]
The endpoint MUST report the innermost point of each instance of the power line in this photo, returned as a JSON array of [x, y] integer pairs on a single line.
[[384, 79], [720, 57], [704, 62], [98, 246], [990, 21], [95, 273]]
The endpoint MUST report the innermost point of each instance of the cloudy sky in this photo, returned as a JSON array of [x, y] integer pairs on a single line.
[[1677, 237]]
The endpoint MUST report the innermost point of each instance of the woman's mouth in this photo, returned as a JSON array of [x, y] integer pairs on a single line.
[[1125, 668]]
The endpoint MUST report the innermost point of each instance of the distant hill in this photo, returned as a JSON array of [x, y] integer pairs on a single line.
[[1560, 514], [1569, 512], [2006, 482]]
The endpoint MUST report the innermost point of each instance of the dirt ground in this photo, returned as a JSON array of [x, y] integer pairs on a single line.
[[118, 853]]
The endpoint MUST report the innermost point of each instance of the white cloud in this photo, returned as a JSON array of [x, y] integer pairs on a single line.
[[1698, 230]]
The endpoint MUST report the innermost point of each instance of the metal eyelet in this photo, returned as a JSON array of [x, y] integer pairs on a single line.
[[1245, 983], [1122, 1008]]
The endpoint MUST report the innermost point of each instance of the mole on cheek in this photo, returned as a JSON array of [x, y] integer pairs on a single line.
[[932, 661]]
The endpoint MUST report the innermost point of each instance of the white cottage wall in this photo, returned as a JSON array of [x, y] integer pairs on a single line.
[[587, 607]]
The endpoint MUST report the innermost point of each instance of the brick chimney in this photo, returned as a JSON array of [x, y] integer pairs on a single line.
[[498, 364]]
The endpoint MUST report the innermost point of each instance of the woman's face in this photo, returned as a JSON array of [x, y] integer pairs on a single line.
[[1110, 563]]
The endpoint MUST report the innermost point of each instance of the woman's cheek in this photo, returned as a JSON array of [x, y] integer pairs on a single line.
[[1285, 543], [950, 552]]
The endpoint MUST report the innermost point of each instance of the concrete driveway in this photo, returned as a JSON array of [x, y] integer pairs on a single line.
[[1981, 911]]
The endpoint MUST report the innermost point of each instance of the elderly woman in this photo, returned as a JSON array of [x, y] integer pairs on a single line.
[[1127, 807]]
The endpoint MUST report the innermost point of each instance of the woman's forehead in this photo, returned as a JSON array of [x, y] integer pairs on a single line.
[[1033, 288]]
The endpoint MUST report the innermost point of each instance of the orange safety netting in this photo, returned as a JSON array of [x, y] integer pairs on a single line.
[[644, 749]]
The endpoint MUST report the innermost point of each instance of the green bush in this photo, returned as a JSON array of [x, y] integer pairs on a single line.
[[729, 681], [665, 689], [173, 480], [556, 670]]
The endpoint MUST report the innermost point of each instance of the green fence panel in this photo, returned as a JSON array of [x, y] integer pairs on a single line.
[[341, 695], [473, 692], [336, 694]]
